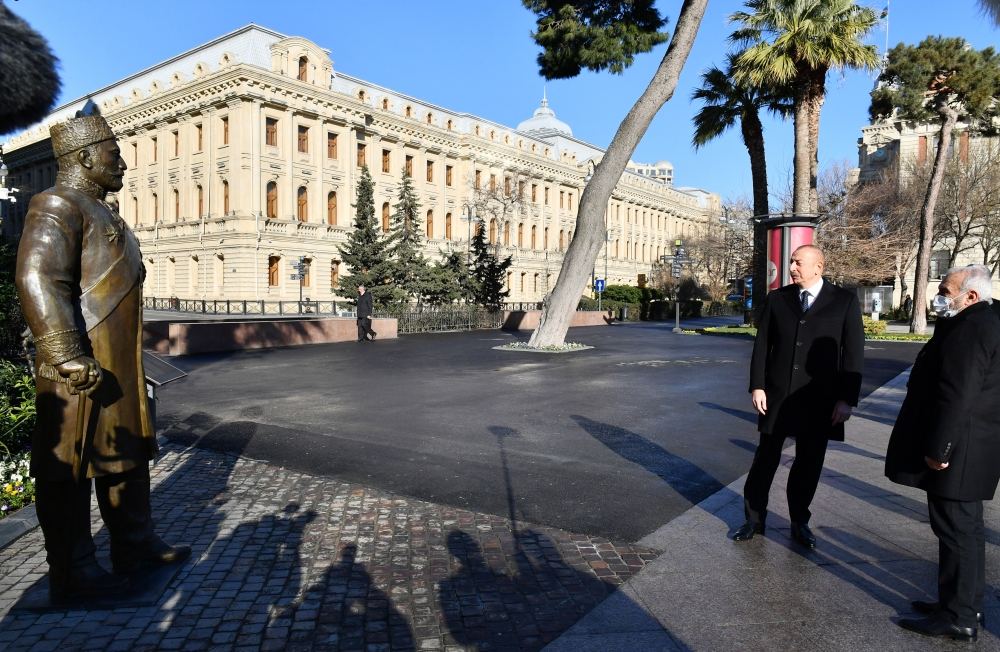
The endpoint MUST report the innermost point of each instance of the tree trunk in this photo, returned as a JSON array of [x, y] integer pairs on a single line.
[[578, 263], [753, 138], [814, 105], [802, 160], [918, 323]]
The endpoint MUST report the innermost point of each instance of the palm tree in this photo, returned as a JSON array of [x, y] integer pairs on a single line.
[[724, 103], [794, 43], [992, 9]]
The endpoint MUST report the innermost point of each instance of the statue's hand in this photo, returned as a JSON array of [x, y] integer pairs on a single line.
[[82, 372]]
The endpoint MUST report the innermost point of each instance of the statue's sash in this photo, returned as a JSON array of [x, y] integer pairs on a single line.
[[103, 296]]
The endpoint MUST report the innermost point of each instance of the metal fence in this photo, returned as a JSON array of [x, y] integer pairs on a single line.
[[451, 318], [246, 307], [423, 320]]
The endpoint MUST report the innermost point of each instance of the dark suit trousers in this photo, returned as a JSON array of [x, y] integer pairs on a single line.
[[364, 328], [802, 479], [961, 535]]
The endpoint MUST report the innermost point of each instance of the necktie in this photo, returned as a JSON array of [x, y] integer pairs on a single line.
[[805, 300]]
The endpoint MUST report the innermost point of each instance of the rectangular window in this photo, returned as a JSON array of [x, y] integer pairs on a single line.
[[447, 175], [479, 179], [361, 155], [153, 139], [546, 196], [506, 186], [225, 130], [334, 274], [177, 143], [534, 193], [385, 160], [408, 166], [493, 183], [331, 145], [430, 171], [198, 136], [135, 154], [303, 139], [272, 270], [562, 198], [271, 132]]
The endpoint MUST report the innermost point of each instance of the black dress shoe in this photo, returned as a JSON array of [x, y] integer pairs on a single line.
[[747, 530], [154, 552], [939, 626], [803, 535], [930, 608]]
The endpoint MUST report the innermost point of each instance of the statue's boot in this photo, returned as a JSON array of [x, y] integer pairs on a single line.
[[124, 502], [63, 510]]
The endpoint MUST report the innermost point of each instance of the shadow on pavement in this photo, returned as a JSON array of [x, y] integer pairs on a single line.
[[524, 606], [746, 415], [687, 479]]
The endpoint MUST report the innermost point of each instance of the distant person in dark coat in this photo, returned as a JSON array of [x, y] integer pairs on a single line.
[[947, 442], [365, 331], [907, 306], [805, 377]]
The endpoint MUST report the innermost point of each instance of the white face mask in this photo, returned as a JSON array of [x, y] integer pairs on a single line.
[[944, 306]]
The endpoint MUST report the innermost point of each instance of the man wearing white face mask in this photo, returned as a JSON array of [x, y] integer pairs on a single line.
[[946, 441]]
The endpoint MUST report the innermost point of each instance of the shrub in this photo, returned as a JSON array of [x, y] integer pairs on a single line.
[[873, 327], [622, 294], [17, 408], [17, 488]]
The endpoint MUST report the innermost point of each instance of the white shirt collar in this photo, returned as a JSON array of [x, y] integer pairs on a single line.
[[813, 289]]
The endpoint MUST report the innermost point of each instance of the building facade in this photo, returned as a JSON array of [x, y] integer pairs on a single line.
[[244, 155], [901, 147]]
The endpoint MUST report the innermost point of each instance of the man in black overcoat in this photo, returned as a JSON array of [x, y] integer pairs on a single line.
[[946, 441], [805, 376], [364, 315]]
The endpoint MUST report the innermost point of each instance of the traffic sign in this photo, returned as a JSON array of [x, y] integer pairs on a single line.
[[599, 285]]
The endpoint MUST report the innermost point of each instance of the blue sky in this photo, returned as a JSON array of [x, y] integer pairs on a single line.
[[477, 56]]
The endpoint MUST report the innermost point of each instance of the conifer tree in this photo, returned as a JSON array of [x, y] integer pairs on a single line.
[[408, 264], [448, 280], [366, 251], [488, 272]]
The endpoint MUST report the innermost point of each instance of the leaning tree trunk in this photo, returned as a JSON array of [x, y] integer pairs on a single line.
[[802, 159], [918, 323], [560, 305], [753, 138]]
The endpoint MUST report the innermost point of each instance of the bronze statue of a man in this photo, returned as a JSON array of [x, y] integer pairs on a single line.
[[79, 277]]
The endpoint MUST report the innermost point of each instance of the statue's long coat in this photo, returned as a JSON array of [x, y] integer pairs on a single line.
[[79, 267]]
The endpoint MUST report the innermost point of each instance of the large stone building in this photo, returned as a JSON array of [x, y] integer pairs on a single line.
[[244, 154], [901, 146]]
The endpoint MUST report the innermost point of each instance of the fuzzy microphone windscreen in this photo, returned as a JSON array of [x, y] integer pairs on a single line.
[[28, 79]]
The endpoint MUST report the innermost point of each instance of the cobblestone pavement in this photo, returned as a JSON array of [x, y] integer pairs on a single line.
[[287, 561]]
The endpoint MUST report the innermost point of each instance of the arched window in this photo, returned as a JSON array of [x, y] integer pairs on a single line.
[[385, 104], [520, 235], [430, 118], [409, 111], [506, 233], [177, 205], [225, 197], [201, 201], [545, 239], [156, 208], [272, 199], [430, 224], [534, 230], [493, 231], [449, 125], [303, 68], [535, 286], [447, 226], [135, 210], [385, 217], [331, 208], [302, 204]]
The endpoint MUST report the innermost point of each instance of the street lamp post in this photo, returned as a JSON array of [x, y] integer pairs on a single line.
[[677, 262]]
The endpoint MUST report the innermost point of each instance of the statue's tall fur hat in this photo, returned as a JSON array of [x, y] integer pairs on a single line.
[[76, 133], [28, 79]]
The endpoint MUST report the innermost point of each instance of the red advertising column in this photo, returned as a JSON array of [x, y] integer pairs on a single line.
[[785, 235]]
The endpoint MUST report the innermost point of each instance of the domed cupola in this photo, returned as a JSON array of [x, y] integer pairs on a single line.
[[543, 123]]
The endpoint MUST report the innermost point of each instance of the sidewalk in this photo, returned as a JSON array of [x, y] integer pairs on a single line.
[[876, 553]]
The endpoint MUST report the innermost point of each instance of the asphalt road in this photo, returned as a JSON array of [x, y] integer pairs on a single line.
[[613, 441]]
